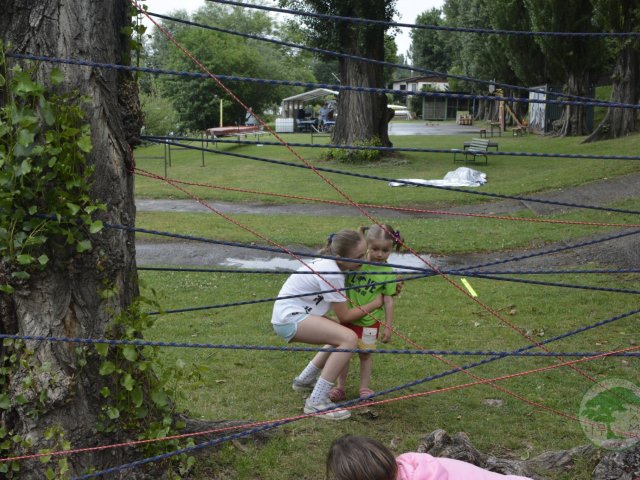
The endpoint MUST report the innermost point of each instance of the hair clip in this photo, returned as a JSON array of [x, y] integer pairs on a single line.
[[330, 238], [396, 236]]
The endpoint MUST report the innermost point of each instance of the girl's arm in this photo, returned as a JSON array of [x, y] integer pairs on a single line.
[[388, 317], [348, 315]]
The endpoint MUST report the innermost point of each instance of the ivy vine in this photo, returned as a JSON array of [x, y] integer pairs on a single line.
[[44, 177]]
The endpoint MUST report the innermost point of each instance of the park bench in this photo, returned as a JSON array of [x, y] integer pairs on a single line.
[[477, 148], [491, 144]]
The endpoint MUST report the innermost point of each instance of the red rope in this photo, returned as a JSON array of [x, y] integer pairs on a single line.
[[393, 208], [353, 203]]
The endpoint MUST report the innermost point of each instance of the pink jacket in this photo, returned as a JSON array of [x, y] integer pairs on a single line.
[[422, 466]]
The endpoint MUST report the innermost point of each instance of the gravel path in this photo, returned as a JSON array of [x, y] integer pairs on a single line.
[[621, 253]]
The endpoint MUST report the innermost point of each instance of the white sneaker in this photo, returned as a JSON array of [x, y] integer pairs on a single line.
[[329, 415], [299, 386]]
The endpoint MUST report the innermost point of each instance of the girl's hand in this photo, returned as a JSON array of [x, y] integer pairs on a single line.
[[399, 288], [386, 335]]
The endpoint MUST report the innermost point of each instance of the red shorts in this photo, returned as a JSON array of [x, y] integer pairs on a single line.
[[366, 335]]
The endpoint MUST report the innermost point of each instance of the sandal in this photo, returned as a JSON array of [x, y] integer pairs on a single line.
[[337, 394], [365, 393]]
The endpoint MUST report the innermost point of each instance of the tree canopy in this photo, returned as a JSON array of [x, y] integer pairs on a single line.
[[197, 101]]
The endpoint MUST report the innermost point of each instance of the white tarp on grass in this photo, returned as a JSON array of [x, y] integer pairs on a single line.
[[460, 177]]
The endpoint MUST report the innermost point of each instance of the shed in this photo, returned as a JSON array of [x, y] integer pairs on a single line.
[[291, 105]]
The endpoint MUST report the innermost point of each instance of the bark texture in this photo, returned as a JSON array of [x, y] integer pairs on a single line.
[[362, 116], [619, 122], [64, 300], [574, 118]]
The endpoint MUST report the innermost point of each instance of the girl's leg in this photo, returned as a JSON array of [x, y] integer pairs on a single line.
[[320, 330], [366, 365]]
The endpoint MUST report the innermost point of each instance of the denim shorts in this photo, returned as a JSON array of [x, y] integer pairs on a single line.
[[288, 330]]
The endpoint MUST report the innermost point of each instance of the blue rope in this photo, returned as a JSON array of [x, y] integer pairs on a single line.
[[167, 139], [342, 405], [551, 251], [249, 246], [273, 299], [402, 267], [552, 284], [412, 69], [348, 272], [157, 71], [419, 26], [270, 348], [386, 179]]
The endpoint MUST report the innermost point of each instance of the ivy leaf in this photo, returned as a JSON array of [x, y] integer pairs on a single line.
[[56, 76], [5, 401], [2, 81], [137, 396], [24, 259], [83, 246], [25, 137], [113, 413], [47, 112], [159, 398], [85, 144], [96, 226], [105, 392], [102, 349], [107, 368], [129, 352], [25, 167], [21, 275], [127, 382], [43, 259], [73, 208]]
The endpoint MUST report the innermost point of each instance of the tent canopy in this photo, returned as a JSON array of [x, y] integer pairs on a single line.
[[290, 105]]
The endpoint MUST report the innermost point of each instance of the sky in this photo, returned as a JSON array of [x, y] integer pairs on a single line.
[[408, 11]]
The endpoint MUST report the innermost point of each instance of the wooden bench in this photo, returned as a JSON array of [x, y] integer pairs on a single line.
[[491, 144], [477, 148]]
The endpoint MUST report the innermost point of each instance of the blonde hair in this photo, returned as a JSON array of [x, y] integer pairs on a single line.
[[360, 458], [383, 232], [342, 243]]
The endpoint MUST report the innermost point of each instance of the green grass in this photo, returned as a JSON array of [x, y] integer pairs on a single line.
[[507, 175], [255, 386], [442, 235]]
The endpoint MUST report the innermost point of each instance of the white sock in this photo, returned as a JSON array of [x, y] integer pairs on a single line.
[[309, 374], [320, 392]]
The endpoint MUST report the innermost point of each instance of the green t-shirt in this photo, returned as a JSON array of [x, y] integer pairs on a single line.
[[367, 292]]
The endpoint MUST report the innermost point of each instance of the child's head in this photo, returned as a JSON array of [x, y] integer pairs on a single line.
[[381, 241], [360, 458], [346, 244]]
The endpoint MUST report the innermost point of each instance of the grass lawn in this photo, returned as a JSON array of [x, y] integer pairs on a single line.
[[254, 385], [509, 175]]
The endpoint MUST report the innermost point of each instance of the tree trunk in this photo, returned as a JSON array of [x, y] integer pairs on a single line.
[[574, 118], [363, 117], [65, 300], [619, 122]]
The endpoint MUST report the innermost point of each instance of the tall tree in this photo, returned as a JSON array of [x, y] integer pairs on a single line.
[[48, 387], [621, 16], [429, 49], [362, 117], [198, 101], [574, 61]]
